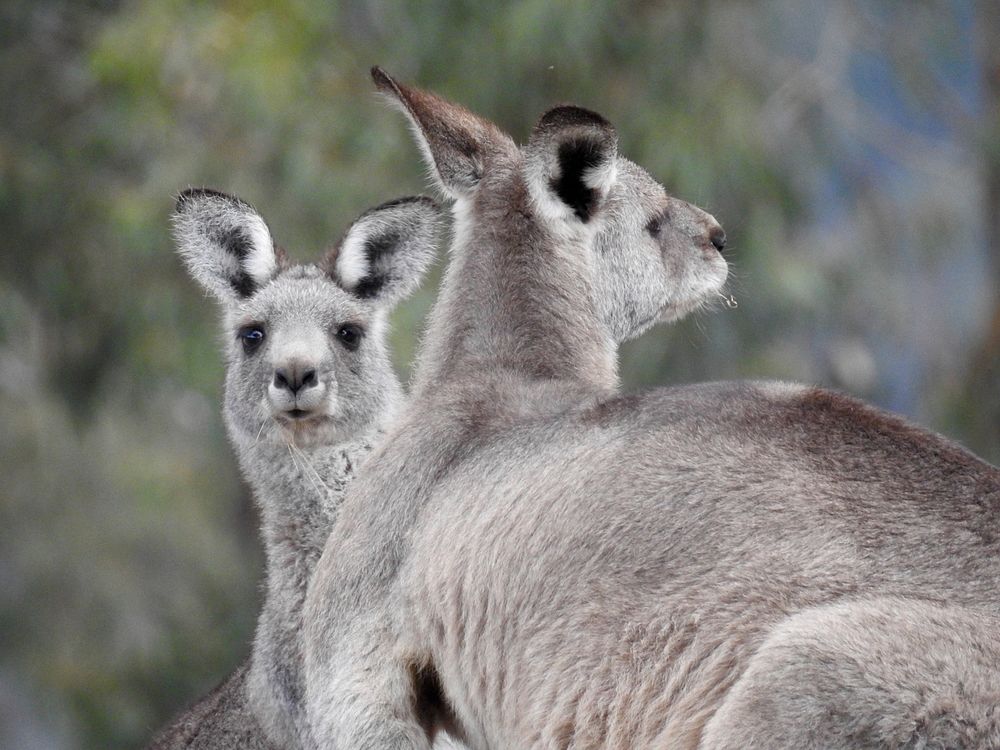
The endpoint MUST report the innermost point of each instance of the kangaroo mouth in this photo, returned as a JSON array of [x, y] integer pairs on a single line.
[[306, 428], [295, 417]]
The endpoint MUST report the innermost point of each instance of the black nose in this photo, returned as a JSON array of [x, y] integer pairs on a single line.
[[718, 238], [295, 379]]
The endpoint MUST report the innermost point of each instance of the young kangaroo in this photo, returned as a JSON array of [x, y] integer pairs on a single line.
[[309, 387], [545, 563]]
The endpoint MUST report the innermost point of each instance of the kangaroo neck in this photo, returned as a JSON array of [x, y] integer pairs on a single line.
[[298, 492], [517, 299]]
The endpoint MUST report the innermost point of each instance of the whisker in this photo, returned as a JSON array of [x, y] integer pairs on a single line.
[[310, 472], [291, 454], [260, 431]]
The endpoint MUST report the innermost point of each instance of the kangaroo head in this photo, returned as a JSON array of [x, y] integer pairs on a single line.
[[305, 344], [650, 257]]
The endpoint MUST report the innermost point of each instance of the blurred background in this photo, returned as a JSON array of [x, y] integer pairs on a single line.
[[851, 148]]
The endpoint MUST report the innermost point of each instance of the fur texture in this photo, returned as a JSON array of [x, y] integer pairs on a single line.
[[883, 672], [303, 403], [222, 719], [721, 565]]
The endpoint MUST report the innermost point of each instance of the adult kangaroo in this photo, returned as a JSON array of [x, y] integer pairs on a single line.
[[536, 561]]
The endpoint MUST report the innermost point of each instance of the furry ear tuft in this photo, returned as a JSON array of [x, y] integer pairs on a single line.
[[571, 162], [224, 243], [458, 145], [387, 250]]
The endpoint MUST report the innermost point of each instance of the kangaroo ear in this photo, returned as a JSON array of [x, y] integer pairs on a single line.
[[458, 145], [387, 250], [571, 163], [224, 243]]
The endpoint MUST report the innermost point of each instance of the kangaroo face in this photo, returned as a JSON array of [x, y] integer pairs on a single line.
[[307, 362], [305, 358], [656, 258]]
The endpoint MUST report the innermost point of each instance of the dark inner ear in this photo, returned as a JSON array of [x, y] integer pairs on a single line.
[[376, 250], [575, 158], [236, 242]]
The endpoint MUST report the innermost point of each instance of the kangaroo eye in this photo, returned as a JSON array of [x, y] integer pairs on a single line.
[[350, 336], [655, 225], [252, 337]]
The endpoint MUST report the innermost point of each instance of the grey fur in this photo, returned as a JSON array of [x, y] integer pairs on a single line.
[[882, 672], [222, 719], [544, 563], [297, 467]]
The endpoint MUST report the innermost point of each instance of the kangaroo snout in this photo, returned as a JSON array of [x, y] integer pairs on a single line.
[[295, 377], [717, 236], [703, 228], [296, 387]]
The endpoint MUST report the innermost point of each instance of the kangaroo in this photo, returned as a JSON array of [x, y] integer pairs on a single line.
[[539, 561], [309, 388]]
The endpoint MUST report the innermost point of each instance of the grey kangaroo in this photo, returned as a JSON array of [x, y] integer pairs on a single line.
[[309, 388], [533, 560]]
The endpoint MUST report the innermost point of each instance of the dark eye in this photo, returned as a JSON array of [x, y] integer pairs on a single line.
[[252, 337], [655, 225], [350, 335]]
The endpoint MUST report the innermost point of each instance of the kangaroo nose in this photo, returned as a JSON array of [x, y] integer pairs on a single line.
[[295, 378], [717, 237]]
